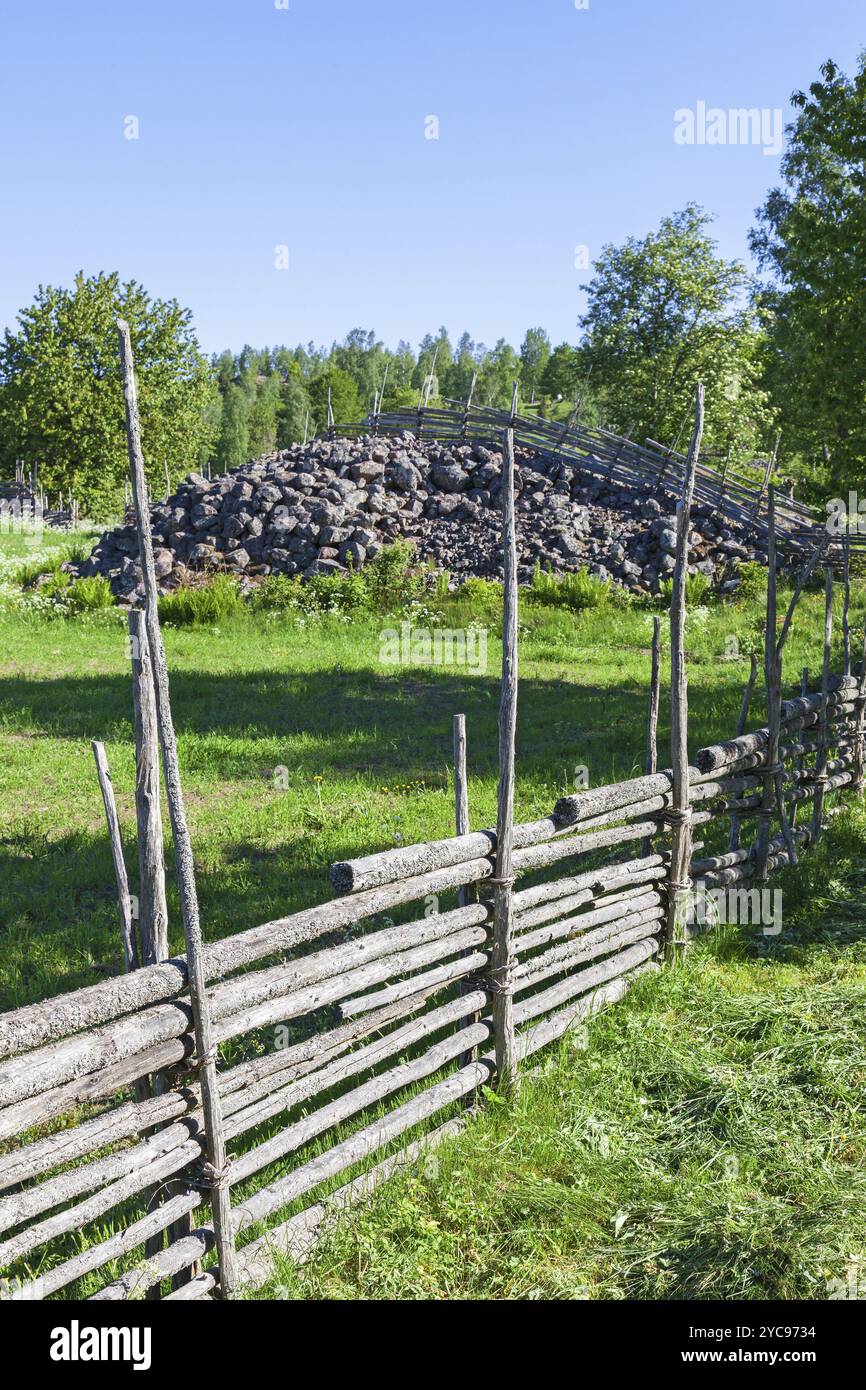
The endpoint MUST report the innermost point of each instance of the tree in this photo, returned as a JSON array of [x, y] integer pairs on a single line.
[[346, 402], [61, 402], [497, 373], [812, 236], [294, 411], [534, 354], [664, 313]]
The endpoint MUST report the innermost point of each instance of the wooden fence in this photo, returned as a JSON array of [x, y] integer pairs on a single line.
[[742, 496], [169, 1130], [389, 1025]]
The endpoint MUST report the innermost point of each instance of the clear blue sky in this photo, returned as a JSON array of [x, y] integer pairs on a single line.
[[305, 126]]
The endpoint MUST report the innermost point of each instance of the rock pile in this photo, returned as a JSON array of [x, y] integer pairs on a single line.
[[333, 504]]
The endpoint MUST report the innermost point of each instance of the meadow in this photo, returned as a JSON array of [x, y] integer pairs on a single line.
[[705, 1141]]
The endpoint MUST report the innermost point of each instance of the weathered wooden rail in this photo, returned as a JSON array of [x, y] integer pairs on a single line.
[[743, 496]]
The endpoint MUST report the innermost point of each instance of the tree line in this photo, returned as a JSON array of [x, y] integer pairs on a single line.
[[779, 348]]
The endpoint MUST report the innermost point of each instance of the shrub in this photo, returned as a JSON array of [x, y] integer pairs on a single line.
[[87, 595], [698, 588], [577, 591], [201, 606], [752, 587]]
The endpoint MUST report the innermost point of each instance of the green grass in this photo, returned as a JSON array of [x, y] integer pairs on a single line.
[[298, 746]]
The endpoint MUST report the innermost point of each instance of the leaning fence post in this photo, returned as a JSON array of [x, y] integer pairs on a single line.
[[152, 909], [217, 1169], [502, 959], [800, 760], [823, 736], [127, 935], [152, 906], [679, 814]]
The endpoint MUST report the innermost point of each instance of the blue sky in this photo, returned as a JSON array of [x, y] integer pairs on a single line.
[[304, 127]]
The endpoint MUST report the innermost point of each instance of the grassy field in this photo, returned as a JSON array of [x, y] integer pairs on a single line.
[[706, 1145]]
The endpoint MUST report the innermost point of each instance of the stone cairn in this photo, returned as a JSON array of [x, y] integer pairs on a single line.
[[331, 506]]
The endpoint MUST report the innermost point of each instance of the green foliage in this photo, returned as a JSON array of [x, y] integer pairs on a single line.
[[61, 404], [698, 590], [663, 314], [390, 582], [202, 606], [752, 588], [576, 591], [346, 400], [534, 356], [88, 595], [812, 236]]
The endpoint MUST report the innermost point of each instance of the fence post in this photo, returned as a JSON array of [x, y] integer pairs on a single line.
[[860, 726], [153, 912], [823, 737], [679, 815], [217, 1165], [465, 427], [846, 604], [127, 935], [800, 760], [773, 790], [742, 719], [502, 959]]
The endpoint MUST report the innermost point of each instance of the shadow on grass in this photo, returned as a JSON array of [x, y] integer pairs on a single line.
[[57, 900]]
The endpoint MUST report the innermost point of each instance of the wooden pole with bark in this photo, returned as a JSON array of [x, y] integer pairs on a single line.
[[734, 837], [216, 1172], [502, 956], [152, 909], [124, 903], [679, 813]]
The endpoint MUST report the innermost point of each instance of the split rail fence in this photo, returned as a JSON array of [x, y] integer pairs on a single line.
[[615, 459], [167, 1132]]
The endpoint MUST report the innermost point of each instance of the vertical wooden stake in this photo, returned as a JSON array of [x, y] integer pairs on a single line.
[[217, 1170], [800, 760], [679, 815], [773, 791], [823, 737], [860, 727], [127, 934], [846, 605], [734, 837], [465, 428], [153, 912], [654, 700], [502, 957]]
